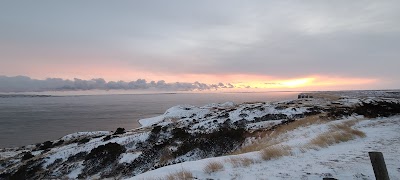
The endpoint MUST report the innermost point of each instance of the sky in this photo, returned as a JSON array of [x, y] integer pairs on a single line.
[[199, 45]]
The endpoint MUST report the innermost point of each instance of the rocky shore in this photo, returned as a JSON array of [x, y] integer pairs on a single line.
[[183, 133]]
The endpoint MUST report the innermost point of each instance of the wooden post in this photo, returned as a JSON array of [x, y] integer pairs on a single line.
[[379, 166]]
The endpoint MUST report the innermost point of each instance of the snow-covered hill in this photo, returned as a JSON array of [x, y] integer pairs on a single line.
[[272, 140], [346, 160]]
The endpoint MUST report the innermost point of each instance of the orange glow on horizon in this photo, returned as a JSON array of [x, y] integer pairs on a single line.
[[240, 81], [298, 82], [308, 83]]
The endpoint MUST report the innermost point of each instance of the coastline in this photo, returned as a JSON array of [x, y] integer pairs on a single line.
[[187, 133]]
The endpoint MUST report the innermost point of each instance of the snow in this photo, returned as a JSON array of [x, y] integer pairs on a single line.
[[348, 160], [129, 157], [66, 151], [176, 112], [151, 121], [185, 111], [208, 113], [262, 124], [35, 153], [9, 153], [79, 134], [220, 105], [74, 173]]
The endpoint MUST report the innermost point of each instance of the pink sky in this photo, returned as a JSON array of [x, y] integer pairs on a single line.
[[265, 45]]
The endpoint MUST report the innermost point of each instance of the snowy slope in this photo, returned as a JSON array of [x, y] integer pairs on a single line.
[[347, 160], [190, 137]]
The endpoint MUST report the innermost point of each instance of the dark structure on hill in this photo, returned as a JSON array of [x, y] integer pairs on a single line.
[[303, 96]]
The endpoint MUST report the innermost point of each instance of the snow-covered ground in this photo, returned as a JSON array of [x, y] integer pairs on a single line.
[[163, 144], [347, 160]]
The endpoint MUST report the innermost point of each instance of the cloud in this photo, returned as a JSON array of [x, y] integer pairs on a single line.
[[281, 39], [27, 84]]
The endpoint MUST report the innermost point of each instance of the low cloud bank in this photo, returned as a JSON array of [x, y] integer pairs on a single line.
[[27, 84]]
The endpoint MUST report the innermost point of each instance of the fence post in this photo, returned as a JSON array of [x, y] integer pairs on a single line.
[[379, 166]]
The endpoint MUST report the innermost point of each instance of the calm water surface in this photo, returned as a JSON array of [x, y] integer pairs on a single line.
[[29, 120]]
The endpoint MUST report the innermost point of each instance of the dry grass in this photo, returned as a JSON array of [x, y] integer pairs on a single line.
[[304, 122], [166, 155], [272, 138], [336, 134], [240, 161], [257, 146], [212, 167], [180, 175], [275, 152], [172, 119]]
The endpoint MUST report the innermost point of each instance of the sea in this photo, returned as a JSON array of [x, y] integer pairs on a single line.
[[31, 119]]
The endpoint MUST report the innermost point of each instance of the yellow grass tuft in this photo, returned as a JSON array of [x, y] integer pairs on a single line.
[[275, 152], [337, 133], [212, 167], [180, 175], [272, 138], [304, 122], [240, 161], [257, 146]]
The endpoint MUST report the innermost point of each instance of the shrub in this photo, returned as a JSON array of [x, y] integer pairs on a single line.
[[101, 157], [270, 117], [119, 131], [165, 155], [180, 133], [240, 161], [77, 157], [27, 155], [246, 161], [217, 143], [27, 171], [220, 142], [212, 167], [107, 138], [58, 143], [270, 138], [46, 145], [243, 115], [338, 133], [226, 115], [336, 112], [275, 152], [378, 109], [84, 140], [180, 175], [156, 130], [109, 151], [192, 116]]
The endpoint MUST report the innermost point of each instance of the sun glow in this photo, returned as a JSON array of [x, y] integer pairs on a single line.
[[298, 82], [306, 83], [240, 82], [292, 83]]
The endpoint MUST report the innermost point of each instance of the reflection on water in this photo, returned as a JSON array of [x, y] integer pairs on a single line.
[[29, 120]]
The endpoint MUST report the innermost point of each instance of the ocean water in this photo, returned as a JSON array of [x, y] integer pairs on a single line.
[[30, 120]]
